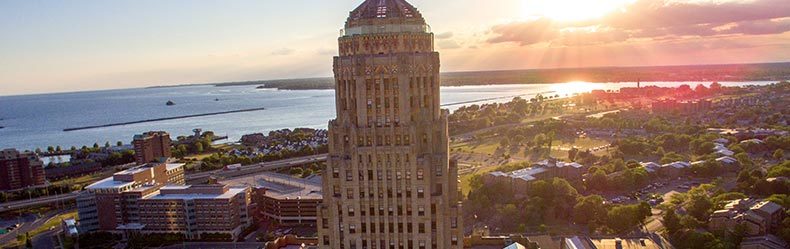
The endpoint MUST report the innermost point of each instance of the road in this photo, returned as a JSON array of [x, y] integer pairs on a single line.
[[258, 167], [37, 201], [46, 240], [27, 227]]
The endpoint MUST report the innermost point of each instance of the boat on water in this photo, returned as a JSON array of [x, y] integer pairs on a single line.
[[170, 103]]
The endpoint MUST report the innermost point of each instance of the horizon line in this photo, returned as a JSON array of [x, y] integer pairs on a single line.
[[324, 77]]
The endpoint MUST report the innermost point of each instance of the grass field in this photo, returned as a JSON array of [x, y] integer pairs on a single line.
[[86, 179], [54, 222]]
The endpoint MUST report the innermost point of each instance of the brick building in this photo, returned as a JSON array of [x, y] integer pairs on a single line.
[[153, 199], [287, 200], [19, 170], [151, 146]]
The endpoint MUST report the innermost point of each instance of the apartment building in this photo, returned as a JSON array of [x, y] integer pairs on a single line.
[[153, 146], [19, 170]]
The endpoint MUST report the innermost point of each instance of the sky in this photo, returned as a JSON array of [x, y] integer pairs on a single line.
[[57, 46]]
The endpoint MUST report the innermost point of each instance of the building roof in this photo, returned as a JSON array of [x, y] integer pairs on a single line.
[[768, 241], [280, 186], [226, 195], [767, 207], [575, 243], [382, 9], [678, 165], [727, 160], [515, 246], [172, 166], [109, 183]]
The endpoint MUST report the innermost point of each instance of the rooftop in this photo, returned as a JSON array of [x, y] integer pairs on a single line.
[[227, 195], [109, 183], [280, 186], [767, 207], [381, 9], [171, 166]]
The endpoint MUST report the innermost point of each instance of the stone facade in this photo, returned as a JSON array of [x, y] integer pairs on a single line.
[[389, 182]]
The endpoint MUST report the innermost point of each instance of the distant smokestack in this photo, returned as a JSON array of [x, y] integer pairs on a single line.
[[638, 83]]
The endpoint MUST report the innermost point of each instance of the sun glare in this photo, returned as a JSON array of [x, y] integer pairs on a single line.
[[572, 10], [574, 87]]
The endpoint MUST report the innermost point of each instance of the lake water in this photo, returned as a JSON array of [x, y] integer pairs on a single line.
[[37, 121]]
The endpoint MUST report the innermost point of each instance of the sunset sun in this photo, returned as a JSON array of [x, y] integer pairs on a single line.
[[572, 10]]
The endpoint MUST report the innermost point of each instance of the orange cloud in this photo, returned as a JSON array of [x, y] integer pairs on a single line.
[[654, 20]]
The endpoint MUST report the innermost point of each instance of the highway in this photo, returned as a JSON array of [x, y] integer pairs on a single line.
[[256, 168], [38, 201]]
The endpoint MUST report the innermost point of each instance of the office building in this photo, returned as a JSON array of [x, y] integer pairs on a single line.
[[389, 182], [103, 205]]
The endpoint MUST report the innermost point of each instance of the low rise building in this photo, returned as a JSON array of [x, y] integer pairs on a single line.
[[19, 170], [674, 169], [282, 198], [759, 217], [610, 243], [764, 242], [684, 106], [520, 180]]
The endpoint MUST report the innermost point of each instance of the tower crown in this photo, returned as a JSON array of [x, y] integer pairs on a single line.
[[384, 16]]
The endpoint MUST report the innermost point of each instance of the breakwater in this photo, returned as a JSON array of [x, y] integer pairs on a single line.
[[162, 119]]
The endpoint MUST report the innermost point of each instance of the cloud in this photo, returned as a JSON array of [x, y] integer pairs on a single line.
[[448, 44], [525, 33], [445, 35], [283, 51], [654, 20]]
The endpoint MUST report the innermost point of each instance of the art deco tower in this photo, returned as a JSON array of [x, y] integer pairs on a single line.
[[389, 183]]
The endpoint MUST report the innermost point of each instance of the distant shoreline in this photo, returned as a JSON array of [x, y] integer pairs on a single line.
[[693, 73]]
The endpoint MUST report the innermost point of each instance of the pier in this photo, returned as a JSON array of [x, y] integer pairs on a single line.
[[162, 119]]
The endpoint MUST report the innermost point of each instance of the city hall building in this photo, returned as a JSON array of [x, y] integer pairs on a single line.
[[389, 182]]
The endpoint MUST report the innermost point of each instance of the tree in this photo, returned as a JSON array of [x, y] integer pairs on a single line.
[[107, 144], [699, 203], [590, 210], [779, 154], [199, 147], [598, 180], [296, 171], [671, 221], [119, 143], [625, 217], [95, 145], [58, 149], [50, 149], [572, 154]]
